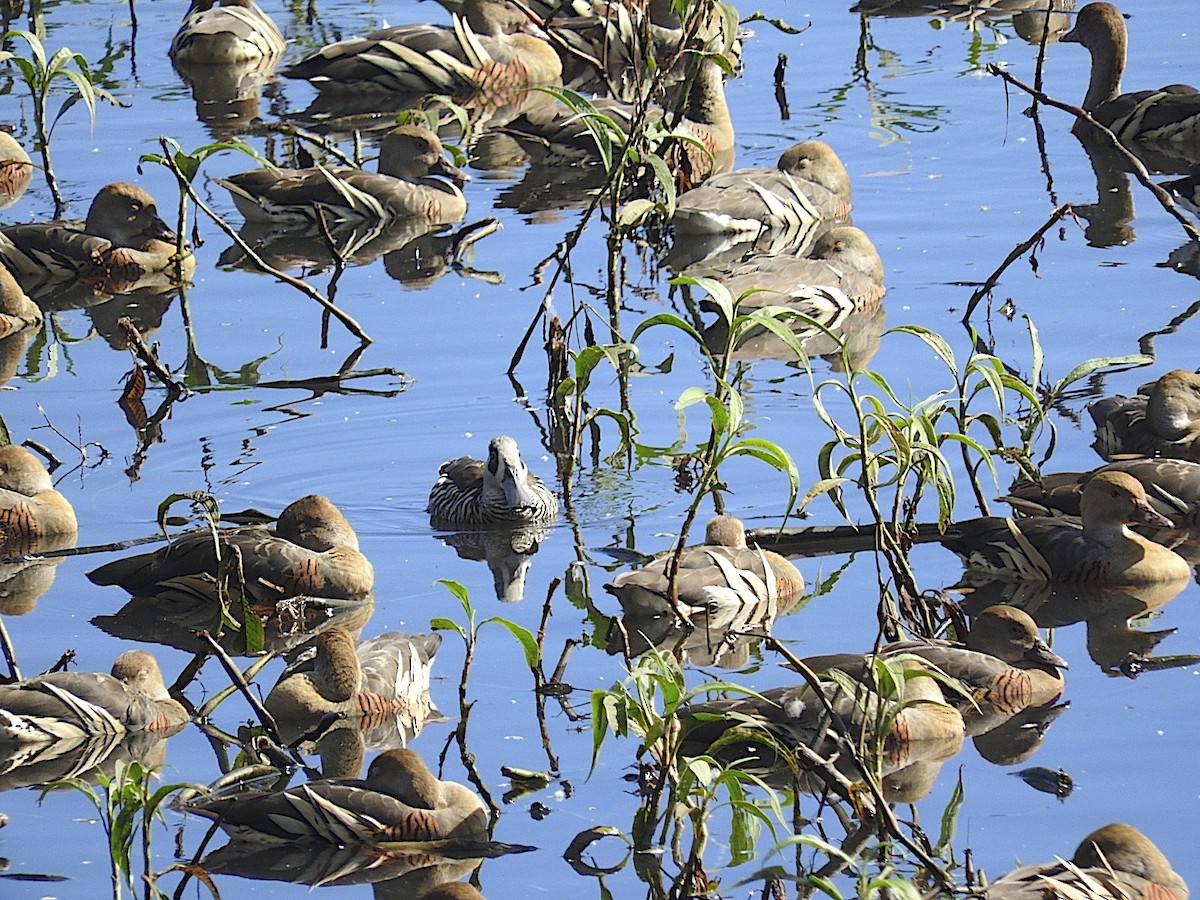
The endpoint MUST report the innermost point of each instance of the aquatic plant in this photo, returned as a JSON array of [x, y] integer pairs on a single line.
[[127, 804], [40, 76]]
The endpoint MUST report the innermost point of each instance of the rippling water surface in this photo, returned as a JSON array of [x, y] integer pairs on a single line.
[[947, 181]]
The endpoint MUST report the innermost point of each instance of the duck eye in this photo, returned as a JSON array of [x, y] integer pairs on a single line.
[[493, 462]]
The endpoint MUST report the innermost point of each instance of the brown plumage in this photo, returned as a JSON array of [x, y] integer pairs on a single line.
[[17, 312], [1170, 114], [558, 133], [1100, 551], [225, 32], [1116, 862], [808, 184], [400, 800], [74, 705], [121, 241], [16, 170], [30, 507], [482, 55], [1162, 420], [415, 181], [312, 551], [995, 665], [371, 683]]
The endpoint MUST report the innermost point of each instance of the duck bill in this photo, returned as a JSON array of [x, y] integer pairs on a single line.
[[159, 230], [1041, 653], [1145, 515], [444, 168], [519, 494]]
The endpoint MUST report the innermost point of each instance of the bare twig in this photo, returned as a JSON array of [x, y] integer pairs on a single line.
[[347, 321], [1135, 165]]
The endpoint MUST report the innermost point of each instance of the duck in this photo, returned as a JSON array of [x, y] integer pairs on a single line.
[[370, 683], [411, 185], [809, 184], [1099, 551], [312, 551], [1116, 861], [30, 507], [839, 285], [722, 585], [400, 800], [121, 241], [1162, 420], [559, 134], [16, 170], [1170, 114], [78, 705], [1172, 488], [472, 493], [484, 54], [997, 666], [919, 725], [225, 32], [17, 311]]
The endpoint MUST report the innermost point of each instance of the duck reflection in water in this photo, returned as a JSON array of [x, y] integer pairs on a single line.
[[414, 252]]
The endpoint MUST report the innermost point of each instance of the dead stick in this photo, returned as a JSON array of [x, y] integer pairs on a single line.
[[1135, 164], [347, 321], [1017, 252], [235, 674], [10, 656]]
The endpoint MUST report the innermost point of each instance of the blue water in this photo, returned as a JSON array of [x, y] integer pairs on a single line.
[[947, 181]]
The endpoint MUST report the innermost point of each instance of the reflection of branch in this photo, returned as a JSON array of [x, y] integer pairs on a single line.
[[304, 287], [148, 358], [1017, 252], [1135, 164]]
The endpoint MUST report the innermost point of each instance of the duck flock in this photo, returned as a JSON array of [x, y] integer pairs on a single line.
[[298, 584]]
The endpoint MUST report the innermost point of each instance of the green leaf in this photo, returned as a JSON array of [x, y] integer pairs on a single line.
[[524, 636]]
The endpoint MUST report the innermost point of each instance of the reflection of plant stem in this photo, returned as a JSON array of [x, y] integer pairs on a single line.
[[1135, 164]]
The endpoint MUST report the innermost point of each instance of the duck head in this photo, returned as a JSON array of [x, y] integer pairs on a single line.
[[411, 152], [505, 472], [22, 472], [849, 247], [127, 216], [816, 161]]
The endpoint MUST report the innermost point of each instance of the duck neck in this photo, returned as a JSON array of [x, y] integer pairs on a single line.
[[1108, 64], [706, 98]]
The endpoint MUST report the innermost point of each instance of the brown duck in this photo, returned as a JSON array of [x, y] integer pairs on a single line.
[[484, 54], [400, 800], [121, 241], [415, 181], [312, 551], [226, 32], [720, 573], [76, 705], [1172, 488], [30, 507], [1170, 114], [809, 184], [1162, 420], [371, 683], [1100, 551], [1116, 862], [996, 665]]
